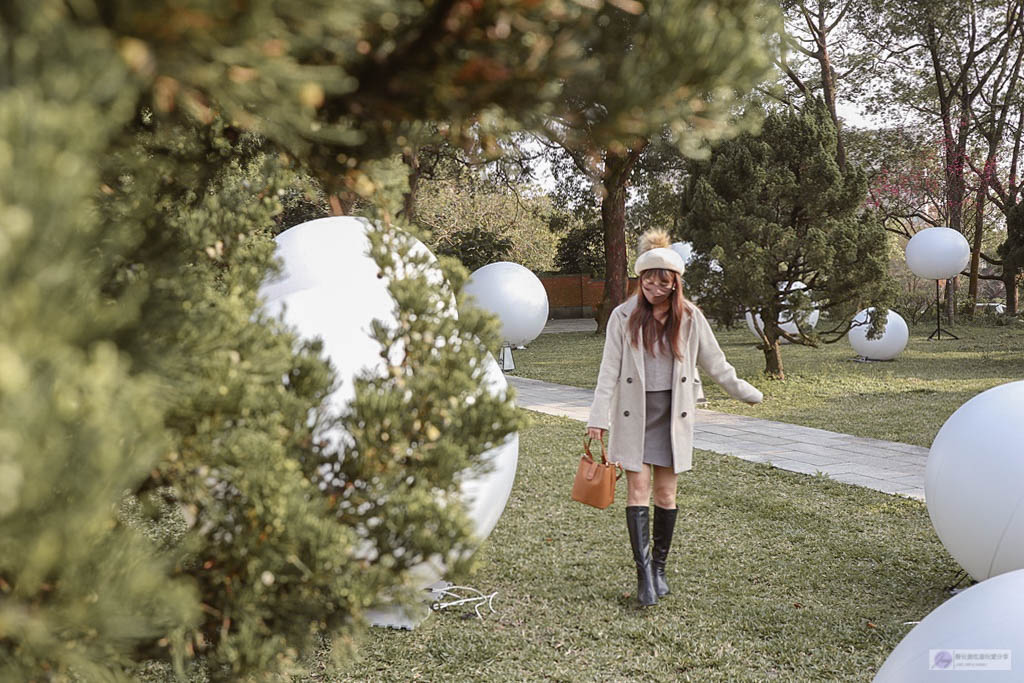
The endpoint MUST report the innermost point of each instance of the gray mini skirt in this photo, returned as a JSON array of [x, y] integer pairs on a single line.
[[658, 429]]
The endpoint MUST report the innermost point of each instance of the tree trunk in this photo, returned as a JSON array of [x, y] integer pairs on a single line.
[[613, 217], [828, 89], [1010, 271], [412, 160], [951, 286], [342, 203], [979, 225], [617, 168], [773, 359]]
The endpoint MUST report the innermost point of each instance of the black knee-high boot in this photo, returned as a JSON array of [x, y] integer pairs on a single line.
[[638, 523], [664, 525]]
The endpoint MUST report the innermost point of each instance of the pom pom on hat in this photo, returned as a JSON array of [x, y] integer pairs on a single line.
[[655, 238], [655, 252]]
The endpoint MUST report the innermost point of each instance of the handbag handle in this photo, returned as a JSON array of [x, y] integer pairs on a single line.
[[586, 449], [604, 455]]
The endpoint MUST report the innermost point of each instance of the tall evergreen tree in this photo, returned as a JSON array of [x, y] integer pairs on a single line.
[[79, 592], [1011, 251], [137, 361], [767, 211], [688, 63], [145, 149]]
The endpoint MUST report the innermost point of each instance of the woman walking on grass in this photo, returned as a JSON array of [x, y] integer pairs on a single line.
[[644, 396]]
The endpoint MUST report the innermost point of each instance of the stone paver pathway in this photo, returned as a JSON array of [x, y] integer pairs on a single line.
[[570, 325], [882, 465]]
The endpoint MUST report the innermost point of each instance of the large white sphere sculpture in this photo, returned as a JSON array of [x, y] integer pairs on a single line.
[[937, 253], [514, 294], [886, 347], [973, 482], [330, 288], [984, 619]]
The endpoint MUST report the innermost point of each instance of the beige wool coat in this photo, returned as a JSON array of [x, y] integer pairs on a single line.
[[619, 399]]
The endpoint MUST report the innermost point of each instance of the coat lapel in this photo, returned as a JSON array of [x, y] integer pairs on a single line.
[[636, 354], [679, 366]]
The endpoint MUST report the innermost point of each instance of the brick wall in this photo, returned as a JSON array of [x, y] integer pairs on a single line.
[[575, 296]]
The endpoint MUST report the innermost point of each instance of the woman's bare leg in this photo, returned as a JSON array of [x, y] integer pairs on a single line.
[[664, 487], [638, 486]]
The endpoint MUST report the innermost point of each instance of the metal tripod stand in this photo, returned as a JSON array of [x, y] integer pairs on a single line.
[[937, 334]]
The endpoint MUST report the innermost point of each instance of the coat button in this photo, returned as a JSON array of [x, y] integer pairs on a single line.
[[684, 414], [683, 379], [629, 380], [626, 413]]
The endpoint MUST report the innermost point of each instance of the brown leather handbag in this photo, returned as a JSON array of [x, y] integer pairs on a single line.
[[595, 481]]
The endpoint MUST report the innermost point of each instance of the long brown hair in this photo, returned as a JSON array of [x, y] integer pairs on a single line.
[[642, 318]]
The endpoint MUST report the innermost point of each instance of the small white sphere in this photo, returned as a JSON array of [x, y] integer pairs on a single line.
[[986, 616], [938, 253], [972, 482], [890, 344], [330, 288], [514, 294]]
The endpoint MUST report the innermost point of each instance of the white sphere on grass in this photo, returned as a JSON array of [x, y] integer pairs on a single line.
[[515, 295], [985, 618], [330, 288], [890, 344], [973, 482], [937, 253]]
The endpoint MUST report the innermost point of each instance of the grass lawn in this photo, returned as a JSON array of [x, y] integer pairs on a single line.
[[904, 400], [775, 576]]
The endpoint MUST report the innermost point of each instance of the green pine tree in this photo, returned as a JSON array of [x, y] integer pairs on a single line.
[[769, 210], [164, 497], [80, 593], [1011, 251]]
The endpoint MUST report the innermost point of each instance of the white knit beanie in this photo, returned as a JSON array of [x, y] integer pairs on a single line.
[[656, 253]]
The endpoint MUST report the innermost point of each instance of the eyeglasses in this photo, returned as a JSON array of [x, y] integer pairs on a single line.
[[651, 284]]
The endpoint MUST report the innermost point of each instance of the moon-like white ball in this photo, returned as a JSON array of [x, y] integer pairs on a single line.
[[331, 289], [886, 347], [972, 482], [937, 253], [986, 616], [514, 294]]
